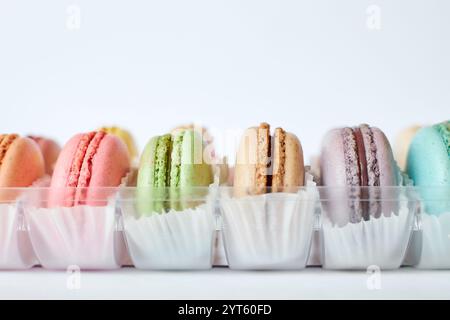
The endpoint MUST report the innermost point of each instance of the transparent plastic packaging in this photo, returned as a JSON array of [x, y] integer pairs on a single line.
[[16, 251], [178, 235], [366, 227], [272, 231], [358, 228], [430, 247], [82, 235]]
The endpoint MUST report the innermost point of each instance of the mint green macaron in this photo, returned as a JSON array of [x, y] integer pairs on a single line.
[[428, 166]]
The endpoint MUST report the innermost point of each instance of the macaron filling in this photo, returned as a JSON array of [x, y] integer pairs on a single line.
[[5, 143], [351, 158], [362, 170], [373, 168], [361, 157], [280, 154], [175, 170], [161, 173], [263, 165], [360, 154]]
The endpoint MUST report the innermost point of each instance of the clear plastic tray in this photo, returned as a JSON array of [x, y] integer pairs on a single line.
[[358, 228], [272, 231], [16, 251], [81, 235], [169, 239], [366, 226], [430, 247]]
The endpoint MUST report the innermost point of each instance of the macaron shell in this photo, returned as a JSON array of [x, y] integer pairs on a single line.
[[428, 160], [110, 165], [294, 165], [146, 193], [389, 175], [126, 137], [50, 150], [194, 172], [147, 163], [333, 171], [444, 131], [332, 164], [246, 160], [288, 168], [429, 167], [402, 144], [22, 165], [333, 174], [60, 194]]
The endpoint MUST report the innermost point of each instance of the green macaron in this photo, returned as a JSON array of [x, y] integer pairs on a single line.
[[171, 173]]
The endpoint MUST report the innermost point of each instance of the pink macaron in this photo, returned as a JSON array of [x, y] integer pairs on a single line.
[[88, 165], [50, 151]]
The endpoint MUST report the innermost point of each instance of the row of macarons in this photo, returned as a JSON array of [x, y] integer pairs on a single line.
[[265, 160]]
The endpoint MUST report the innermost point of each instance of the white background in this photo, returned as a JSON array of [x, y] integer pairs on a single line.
[[151, 65]]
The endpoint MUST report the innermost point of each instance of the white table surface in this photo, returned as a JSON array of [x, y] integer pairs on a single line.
[[222, 283]]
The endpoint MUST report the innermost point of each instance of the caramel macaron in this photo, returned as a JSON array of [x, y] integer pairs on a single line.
[[267, 163]]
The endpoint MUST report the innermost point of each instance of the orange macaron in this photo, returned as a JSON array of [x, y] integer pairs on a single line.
[[21, 161]]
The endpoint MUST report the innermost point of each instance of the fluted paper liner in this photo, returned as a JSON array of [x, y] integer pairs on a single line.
[[220, 256], [83, 236], [87, 237], [380, 242], [16, 251], [270, 231], [170, 241], [175, 240], [430, 243], [434, 248]]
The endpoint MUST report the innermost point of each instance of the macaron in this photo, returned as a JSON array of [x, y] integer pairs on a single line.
[[428, 166], [357, 157], [171, 169], [206, 135], [21, 161], [87, 166], [209, 151], [126, 137], [402, 144], [266, 163], [50, 151]]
